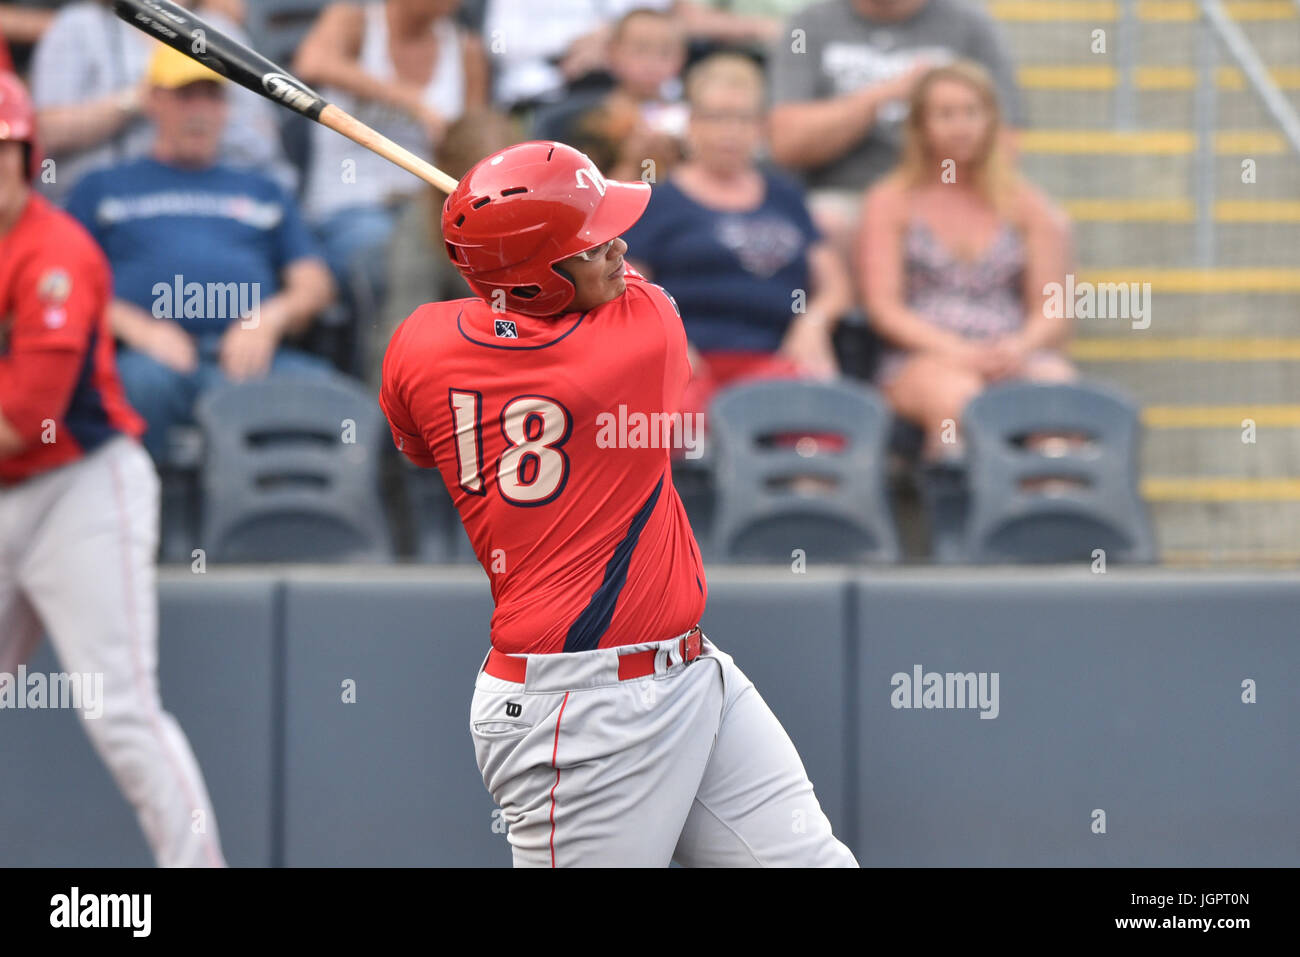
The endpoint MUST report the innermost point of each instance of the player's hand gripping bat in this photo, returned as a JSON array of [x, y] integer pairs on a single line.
[[183, 31]]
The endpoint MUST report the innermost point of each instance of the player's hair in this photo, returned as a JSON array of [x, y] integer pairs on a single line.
[[620, 25], [727, 69], [991, 174]]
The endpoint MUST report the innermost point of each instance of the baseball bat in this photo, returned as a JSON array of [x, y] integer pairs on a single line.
[[183, 31]]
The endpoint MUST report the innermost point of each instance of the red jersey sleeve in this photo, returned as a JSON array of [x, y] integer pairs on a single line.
[[406, 435], [677, 371], [59, 297]]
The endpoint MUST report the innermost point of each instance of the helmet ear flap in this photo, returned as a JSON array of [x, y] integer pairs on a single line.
[[564, 274]]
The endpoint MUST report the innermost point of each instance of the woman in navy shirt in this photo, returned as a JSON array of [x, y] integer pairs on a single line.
[[758, 287]]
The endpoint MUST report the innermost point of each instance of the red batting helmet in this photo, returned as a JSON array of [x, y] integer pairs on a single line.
[[18, 119], [521, 210]]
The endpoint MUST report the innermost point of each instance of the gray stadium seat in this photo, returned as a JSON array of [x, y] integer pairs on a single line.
[[280, 483], [1009, 523], [178, 474], [694, 480], [439, 535], [761, 516]]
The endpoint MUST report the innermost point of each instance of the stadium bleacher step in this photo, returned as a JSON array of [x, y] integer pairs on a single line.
[[1071, 166]]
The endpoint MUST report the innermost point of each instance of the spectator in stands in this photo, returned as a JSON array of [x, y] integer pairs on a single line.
[[418, 268], [840, 90], [956, 251], [542, 49], [21, 25], [643, 117], [759, 289], [88, 85], [213, 266], [405, 68]]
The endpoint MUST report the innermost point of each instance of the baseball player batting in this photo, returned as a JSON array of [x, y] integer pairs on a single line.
[[79, 501], [607, 727]]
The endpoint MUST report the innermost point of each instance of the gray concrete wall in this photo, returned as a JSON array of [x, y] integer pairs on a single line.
[[1119, 692]]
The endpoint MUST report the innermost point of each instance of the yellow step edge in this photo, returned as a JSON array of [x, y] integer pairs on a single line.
[[1131, 210], [1147, 142], [1219, 489], [1136, 348], [1229, 556], [1220, 416], [1147, 79], [1150, 11], [1188, 11], [1257, 211], [1222, 280], [1137, 210]]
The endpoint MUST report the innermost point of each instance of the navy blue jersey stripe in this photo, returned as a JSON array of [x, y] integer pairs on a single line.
[[586, 630], [87, 419]]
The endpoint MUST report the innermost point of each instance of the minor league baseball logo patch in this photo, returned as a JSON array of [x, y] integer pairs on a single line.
[[506, 329], [53, 289]]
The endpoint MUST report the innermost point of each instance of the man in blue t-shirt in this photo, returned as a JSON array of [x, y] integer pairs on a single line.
[[212, 265]]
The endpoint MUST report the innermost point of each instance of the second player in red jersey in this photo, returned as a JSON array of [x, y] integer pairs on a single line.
[[586, 543]]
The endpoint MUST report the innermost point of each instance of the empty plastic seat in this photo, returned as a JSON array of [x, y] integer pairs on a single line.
[[782, 486], [1054, 501], [291, 472]]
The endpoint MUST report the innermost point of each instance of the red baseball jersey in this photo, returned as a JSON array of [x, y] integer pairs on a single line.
[[58, 385], [553, 437]]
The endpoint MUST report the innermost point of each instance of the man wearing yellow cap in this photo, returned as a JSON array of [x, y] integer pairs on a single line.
[[212, 264], [88, 84]]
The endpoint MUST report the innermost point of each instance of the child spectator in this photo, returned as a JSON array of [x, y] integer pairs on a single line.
[[643, 117]]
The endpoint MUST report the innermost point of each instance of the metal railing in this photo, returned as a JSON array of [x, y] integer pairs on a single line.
[[1215, 27]]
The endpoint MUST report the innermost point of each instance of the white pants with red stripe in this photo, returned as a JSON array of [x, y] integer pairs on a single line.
[[77, 547], [688, 765]]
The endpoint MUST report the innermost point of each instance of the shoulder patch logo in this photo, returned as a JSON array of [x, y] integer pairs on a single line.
[[54, 287], [505, 329]]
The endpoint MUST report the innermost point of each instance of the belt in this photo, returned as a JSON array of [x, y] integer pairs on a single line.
[[637, 664]]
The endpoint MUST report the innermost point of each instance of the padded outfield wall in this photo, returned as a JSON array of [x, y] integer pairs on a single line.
[[946, 717]]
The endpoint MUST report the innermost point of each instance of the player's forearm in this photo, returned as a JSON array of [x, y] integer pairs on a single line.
[[816, 132], [82, 125]]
